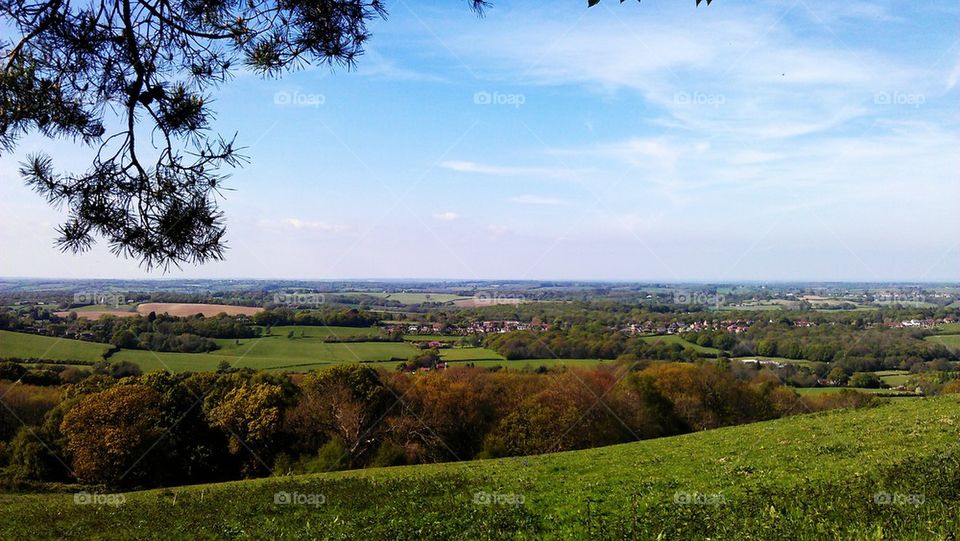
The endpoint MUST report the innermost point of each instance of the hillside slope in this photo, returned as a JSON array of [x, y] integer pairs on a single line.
[[892, 471]]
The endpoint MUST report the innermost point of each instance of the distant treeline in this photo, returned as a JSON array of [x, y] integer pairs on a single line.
[[329, 316], [586, 342]]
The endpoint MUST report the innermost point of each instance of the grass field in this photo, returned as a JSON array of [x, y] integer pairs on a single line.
[[675, 339], [191, 309], [324, 332], [781, 360], [107, 307], [274, 352], [32, 346], [894, 378], [430, 338], [470, 354], [949, 328], [822, 476], [951, 341], [832, 390]]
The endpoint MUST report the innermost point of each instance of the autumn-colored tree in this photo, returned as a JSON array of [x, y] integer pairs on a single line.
[[442, 418], [251, 417], [348, 402], [644, 409], [110, 433]]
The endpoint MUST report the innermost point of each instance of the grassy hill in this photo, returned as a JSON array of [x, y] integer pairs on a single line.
[[951, 341], [307, 349], [32, 346], [675, 339], [892, 471]]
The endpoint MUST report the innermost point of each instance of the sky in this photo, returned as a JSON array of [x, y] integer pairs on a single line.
[[806, 140]]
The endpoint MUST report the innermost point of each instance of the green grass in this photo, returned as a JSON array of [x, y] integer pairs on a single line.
[[894, 378], [781, 360], [949, 328], [32, 346], [307, 350], [276, 352], [430, 338], [676, 339], [324, 332], [805, 477], [834, 390], [470, 354], [103, 307], [951, 341]]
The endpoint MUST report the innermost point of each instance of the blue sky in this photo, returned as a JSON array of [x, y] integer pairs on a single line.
[[806, 140]]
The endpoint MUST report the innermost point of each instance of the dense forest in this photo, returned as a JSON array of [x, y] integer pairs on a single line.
[[164, 429]]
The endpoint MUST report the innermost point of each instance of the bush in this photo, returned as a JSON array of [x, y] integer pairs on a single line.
[[865, 380], [333, 456], [389, 454]]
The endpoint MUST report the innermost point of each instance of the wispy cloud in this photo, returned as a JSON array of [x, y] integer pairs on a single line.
[[509, 171], [446, 216], [300, 224], [530, 199]]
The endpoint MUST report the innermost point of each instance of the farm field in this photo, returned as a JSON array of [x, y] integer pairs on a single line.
[[274, 352], [324, 332], [951, 341], [781, 360], [675, 339], [470, 354], [32, 346], [105, 307], [430, 338], [833, 390], [949, 328], [831, 465], [894, 378], [187, 309]]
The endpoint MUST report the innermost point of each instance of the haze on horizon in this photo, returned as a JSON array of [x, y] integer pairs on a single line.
[[802, 141]]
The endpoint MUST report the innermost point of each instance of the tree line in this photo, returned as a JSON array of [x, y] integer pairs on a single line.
[[163, 429]]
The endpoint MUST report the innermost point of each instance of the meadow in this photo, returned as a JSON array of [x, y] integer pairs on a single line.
[[306, 349], [32, 346], [890, 471], [675, 339], [951, 341]]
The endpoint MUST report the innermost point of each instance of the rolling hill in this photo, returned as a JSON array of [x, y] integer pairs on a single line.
[[891, 471]]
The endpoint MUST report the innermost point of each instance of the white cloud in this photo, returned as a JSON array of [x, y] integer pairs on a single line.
[[446, 216], [300, 225], [509, 171], [530, 199]]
